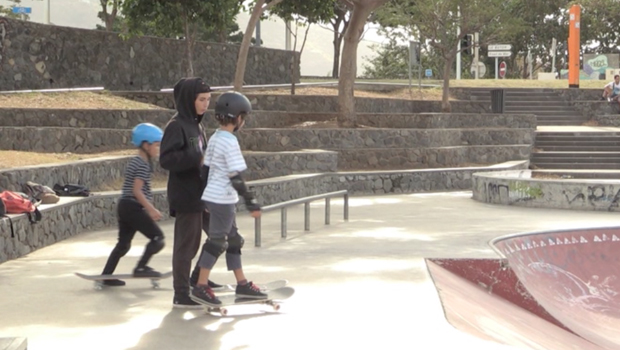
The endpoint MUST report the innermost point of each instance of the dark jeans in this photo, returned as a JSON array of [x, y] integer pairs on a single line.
[[187, 232], [132, 218]]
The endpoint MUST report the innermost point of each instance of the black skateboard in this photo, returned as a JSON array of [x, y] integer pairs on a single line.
[[100, 278], [274, 297]]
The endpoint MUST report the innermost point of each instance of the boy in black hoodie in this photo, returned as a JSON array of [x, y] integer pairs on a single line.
[[181, 153]]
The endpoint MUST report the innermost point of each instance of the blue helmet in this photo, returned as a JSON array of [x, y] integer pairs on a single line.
[[146, 132]]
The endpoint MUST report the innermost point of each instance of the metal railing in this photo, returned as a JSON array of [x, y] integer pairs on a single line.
[[306, 201]]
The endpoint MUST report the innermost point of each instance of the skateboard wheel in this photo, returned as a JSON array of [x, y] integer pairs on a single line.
[[276, 307], [155, 284], [98, 285], [223, 312]]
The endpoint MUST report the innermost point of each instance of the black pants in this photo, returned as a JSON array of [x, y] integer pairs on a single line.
[[187, 232], [132, 218]]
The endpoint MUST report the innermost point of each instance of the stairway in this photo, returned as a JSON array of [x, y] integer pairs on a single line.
[[549, 107], [576, 150]]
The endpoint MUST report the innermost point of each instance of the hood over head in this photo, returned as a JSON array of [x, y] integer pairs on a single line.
[[185, 92]]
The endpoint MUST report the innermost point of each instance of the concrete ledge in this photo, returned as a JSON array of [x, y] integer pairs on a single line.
[[74, 215], [520, 188], [13, 343]]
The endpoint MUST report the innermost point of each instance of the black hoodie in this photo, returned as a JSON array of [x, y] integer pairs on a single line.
[[182, 149]]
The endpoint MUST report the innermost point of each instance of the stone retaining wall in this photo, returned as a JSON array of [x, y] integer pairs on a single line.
[[127, 119], [275, 140], [593, 109], [38, 56], [520, 189], [433, 157], [79, 215], [607, 120], [321, 104], [83, 118], [98, 172]]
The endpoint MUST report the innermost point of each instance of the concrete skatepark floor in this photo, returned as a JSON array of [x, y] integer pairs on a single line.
[[361, 284]]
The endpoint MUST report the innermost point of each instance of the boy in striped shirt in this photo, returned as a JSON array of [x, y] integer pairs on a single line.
[[224, 186], [135, 209]]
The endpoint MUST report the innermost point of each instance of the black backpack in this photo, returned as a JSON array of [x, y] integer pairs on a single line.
[[71, 190]]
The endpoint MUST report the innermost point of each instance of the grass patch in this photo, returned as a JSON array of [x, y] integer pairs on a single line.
[[16, 159]]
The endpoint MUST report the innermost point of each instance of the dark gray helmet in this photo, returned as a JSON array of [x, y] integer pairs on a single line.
[[232, 104]]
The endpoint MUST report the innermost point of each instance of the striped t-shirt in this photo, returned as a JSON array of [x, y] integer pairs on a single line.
[[137, 168], [223, 157]]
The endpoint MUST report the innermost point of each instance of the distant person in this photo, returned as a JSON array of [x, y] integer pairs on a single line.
[[611, 91]]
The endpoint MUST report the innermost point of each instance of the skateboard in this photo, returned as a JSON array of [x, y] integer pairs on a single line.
[[274, 297], [264, 287], [100, 278]]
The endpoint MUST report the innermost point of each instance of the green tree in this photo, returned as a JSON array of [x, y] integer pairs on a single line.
[[181, 18], [109, 12], [435, 22], [339, 23], [390, 62], [302, 13]]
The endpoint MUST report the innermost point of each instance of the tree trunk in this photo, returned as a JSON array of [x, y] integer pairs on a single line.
[[445, 97], [244, 49], [337, 45], [190, 49], [348, 66]]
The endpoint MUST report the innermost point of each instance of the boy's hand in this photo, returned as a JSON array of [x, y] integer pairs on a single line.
[[155, 214], [255, 214]]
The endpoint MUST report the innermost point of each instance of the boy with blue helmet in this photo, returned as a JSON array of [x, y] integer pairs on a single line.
[[135, 209]]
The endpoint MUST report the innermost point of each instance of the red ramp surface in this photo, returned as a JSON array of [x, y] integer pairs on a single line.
[[484, 299], [574, 275]]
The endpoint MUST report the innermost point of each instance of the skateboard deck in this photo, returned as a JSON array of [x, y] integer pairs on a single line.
[[100, 278], [264, 287], [273, 299]]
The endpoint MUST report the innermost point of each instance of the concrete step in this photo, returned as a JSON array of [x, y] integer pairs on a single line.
[[556, 113], [576, 160], [577, 154], [536, 108], [561, 122], [520, 103], [575, 148], [593, 166], [590, 142]]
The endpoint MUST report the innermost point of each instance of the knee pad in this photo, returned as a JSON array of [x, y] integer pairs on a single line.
[[215, 246], [235, 244], [156, 244]]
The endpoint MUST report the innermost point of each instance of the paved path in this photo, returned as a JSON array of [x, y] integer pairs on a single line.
[[361, 284]]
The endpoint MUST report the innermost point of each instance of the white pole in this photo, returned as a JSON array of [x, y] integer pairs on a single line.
[[496, 68], [48, 12], [287, 36], [476, 57], [554, 44], [458, 47]]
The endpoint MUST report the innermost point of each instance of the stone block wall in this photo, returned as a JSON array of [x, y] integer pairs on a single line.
[[341, 139], [61, 140], [38, 56], [83, 118], [321, 104], [95, 173], [79, 215]]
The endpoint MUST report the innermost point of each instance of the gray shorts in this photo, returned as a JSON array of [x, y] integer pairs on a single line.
[[223, 225]]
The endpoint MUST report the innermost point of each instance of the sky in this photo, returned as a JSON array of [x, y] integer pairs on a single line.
[[316, 58]]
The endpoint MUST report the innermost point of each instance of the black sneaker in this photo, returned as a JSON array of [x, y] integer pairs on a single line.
[[145, 272], [183, 301], [113, 283], [204, 294], [249, 290]]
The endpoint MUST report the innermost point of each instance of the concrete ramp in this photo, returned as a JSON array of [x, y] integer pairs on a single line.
[[574, 275]]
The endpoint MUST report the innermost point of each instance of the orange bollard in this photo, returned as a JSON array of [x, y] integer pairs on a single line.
[[573, 46]]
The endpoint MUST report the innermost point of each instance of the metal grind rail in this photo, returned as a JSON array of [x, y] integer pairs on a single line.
[[283, 206]]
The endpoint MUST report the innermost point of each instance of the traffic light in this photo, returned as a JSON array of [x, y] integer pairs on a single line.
[[467, 44]]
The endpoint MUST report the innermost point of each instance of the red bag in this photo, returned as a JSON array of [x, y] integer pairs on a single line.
[[14, 203]]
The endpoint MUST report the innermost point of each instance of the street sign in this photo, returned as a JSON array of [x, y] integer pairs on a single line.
[[22, 10], [502, 69], [500, 54], [428, 73], [500, 47]]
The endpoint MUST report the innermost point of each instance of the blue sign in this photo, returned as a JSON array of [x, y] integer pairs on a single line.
[[22, 10], [428, 73]]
